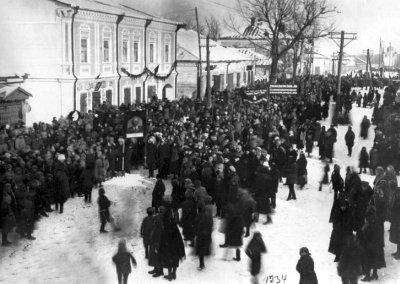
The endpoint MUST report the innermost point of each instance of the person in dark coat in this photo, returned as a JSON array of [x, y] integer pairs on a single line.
[[274, 176], [337, 182], [364, 160], [305, 266], [163, 158], [189, 213], [146, 229], [104, 205], [158, 193], [341, 221], [122, 261], [154, 245], [254, 249], [203, 231], [373, 160], [349, 138], [394, 236], [172, 249], [61, 187], [87, 181], [151, 156], [234, 229], [302, 171], [7, 217], [262, 187], [291, 178], [372, 240], [365, 124], [349, 267], [322, 143], [309, 142], [330, 139], [325, 178], [247, 207], [359, 204]]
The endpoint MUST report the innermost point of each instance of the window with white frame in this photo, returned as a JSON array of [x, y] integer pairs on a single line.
[[152, 47], [125, 46], [167, 49], [107, 35], [136, 47], [85, 44]]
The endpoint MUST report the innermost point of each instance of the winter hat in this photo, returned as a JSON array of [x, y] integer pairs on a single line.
[[304, 250], [150, 211]]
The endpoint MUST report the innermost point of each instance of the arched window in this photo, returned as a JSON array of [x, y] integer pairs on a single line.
[[136, 47], [152, 47], [107, 44], [84, 44], [167, 49]]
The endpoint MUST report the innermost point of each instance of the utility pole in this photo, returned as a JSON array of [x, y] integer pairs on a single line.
[[343, 36], [208, 83], [200, 71]]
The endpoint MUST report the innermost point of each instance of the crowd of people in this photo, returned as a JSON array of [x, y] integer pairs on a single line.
[[232, 156]]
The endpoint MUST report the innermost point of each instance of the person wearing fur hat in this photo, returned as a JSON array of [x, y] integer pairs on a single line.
[[305, 266]]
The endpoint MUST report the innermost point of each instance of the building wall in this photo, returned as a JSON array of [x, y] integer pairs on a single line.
[[39, 42], [187, 78]]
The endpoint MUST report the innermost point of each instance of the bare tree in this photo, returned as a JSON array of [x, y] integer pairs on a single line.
[[213, 27], [283, 25]]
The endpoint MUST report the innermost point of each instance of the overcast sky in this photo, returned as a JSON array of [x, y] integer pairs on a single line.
[[370, 19]]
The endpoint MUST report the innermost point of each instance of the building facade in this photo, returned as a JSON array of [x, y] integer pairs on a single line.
[[229, 67], [82, 54]]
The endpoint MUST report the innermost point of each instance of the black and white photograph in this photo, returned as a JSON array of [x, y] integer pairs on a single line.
[[199, 141]]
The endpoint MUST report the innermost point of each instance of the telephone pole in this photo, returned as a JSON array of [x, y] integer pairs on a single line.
[[208, 82], [199, 70], [343, 36]]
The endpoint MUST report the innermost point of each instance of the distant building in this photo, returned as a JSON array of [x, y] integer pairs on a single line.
[[229, 67], [75, 53]]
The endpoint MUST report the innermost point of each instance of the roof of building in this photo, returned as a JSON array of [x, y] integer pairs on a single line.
[[188, 49], [109, 7], [13, 93], [261, 58]]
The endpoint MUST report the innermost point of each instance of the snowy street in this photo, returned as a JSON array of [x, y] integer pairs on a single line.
[[69, 248]]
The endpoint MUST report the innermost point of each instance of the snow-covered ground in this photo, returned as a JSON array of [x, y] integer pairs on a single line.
[[69, 248]]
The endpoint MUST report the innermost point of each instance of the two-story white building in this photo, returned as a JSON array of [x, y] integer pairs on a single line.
[[79, 53]]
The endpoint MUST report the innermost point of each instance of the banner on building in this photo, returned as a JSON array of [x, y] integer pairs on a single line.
[[283, 90], [135, 124], [255, 96]]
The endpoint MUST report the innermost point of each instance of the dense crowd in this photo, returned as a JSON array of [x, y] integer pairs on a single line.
[[232, 156]]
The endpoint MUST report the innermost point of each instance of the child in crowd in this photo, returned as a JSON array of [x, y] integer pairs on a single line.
[[146, 229]]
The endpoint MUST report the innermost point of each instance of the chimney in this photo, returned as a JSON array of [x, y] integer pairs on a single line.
[[253, 21]]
